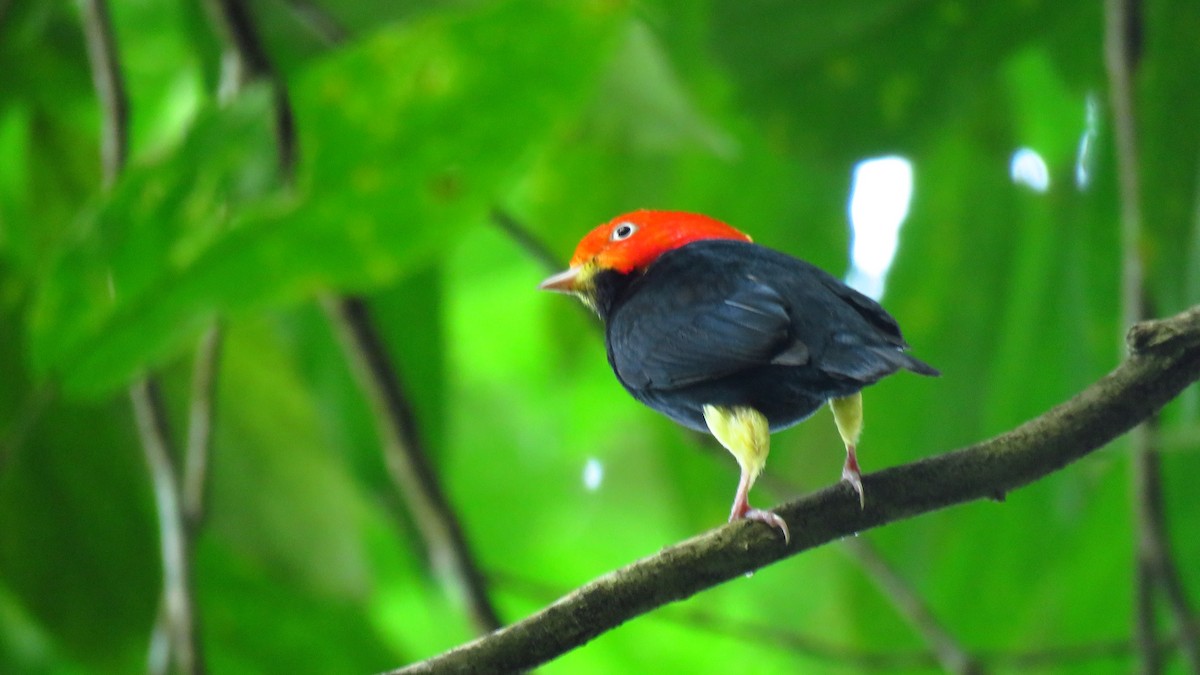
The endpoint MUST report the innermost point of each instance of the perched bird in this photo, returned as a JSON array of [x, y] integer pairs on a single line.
[[724, 335]]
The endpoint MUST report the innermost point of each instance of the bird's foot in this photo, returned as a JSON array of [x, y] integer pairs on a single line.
[[852, 475], [769, 517]]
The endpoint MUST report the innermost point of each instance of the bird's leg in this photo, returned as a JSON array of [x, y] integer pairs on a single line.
[[746, 434], [848, 414]]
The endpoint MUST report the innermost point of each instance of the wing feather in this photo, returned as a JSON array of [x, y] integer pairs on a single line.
[[670, 336]]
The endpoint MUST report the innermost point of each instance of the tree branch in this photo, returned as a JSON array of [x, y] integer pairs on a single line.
[[406, 459], [1165, 358]]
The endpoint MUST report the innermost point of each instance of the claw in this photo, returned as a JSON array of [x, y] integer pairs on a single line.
[[852, 475], [770, 518], [742, 509]]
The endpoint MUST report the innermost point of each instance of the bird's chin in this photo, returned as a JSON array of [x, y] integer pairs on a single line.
[[589, 299], [592, 284]]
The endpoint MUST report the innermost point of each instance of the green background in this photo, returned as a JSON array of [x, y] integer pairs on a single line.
[[412, 126]]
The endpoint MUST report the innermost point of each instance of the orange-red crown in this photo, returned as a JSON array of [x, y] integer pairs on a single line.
[[632, 241]]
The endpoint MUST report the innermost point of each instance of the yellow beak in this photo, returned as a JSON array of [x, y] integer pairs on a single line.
[[563, 282]]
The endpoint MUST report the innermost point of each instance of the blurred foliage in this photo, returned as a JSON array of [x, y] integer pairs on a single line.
[[415, 121]]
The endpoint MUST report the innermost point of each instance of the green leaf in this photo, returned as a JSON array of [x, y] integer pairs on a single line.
[[405, 139], [160, 221]]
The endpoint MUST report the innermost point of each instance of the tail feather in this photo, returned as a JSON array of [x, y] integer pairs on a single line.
[[917, 365], [869, 364]]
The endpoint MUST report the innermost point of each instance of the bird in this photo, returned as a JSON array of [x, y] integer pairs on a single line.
[[729, 337]]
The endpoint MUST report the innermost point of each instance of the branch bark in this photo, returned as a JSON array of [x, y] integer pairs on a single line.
[[1164, 359]]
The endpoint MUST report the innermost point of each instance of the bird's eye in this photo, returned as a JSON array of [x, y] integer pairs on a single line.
[[623, 231]]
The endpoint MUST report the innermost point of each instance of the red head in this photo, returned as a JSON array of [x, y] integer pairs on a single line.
[[631, 242]]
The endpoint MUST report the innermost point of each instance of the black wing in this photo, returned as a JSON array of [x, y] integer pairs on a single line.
[[715, 308], [680, 329]]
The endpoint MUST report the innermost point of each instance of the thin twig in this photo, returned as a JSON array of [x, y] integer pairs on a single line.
[[247, 61], [808, 646], [539, 251], [407, 461], [320, 22], [405, 457], [1165, 358], [1119, 61], [944, 648], [752, 632], [1066, 655], [1019, 660], [244, 61], [404, 454], [173, 539], [1154, 561], [1144, 628], [177, 617], [110, 88], [1147, 507], [1155, 564], [950, 654], [1177, 601], [200, 425], [526, 240]]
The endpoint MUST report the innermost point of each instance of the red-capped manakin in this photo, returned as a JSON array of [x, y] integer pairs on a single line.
[[724, 335]]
